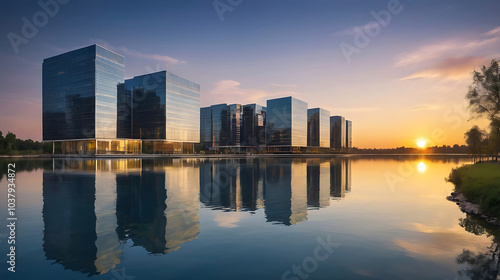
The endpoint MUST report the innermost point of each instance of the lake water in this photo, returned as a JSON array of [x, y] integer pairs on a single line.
[[275, 218]]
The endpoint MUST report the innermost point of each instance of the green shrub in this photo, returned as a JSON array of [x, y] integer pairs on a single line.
[[480, 184]]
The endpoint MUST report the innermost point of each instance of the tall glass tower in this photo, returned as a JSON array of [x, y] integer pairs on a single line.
[[318, 128], [338, 133], [79, 98], [286, 122], [348, 134], [162, 109]]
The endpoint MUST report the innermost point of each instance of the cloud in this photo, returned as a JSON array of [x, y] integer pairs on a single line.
[[449, 47], [441, 50], [454, 68], [493, 32], [126, 51], [284, 85], [436, 242], [355, 29], [157, 57], [227, 220], [230, 91]]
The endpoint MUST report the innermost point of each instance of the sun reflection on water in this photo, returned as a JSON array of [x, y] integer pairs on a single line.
[[422, 167]]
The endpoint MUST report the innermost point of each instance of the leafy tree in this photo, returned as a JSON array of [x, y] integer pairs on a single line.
[[474, 139], [484, 98], [2, 144], [10, 140]]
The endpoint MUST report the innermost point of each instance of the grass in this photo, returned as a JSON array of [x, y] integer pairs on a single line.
[[480, 184]]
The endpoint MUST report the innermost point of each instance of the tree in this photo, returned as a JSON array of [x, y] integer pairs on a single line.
[[10, 141], [2, 144], [484, 98], [474, 139]]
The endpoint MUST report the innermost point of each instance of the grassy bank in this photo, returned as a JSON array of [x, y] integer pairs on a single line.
[[480, 184]]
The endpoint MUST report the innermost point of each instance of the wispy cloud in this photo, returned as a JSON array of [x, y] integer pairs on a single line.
[[440, 50], [455, 68], [230, 91], [354, 29], [126, 51], [447, 48], [228, 220], [156, 57], [493, 32]]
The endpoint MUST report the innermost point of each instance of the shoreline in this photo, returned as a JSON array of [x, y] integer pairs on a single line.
[[119, 156], [471, 208]]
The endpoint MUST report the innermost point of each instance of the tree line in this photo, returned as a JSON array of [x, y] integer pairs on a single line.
[[11, 145], [484, 102]]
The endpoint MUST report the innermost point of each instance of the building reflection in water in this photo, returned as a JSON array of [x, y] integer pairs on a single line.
[[318, 184], [70, 221], [285, 188], [93, 207], [140, 209], [285, 192], [231, 185], [340, 180]]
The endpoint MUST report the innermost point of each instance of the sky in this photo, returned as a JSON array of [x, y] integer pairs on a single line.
[[399, 70]]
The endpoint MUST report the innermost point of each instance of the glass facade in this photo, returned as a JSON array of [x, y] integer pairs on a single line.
[[286, 122], [348, 134], [163, 106], [124, 110], [338, 132], [220, 125], [318, 128], [253, 125], [235, 119], [206, 127], [79, 94], [110, 71]]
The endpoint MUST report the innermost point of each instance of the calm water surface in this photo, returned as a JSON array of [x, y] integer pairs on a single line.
[[358, 218]]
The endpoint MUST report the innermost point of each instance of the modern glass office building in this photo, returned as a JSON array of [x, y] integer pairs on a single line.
[[318, 128], [206, 127], [88, 107], [162, 109], [79, 101], [348, 134], [223, 126], [253, 132], [215, 126], [338, 133], [286, 122]]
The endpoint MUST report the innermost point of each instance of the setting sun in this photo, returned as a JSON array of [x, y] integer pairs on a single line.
[[421, 143]]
